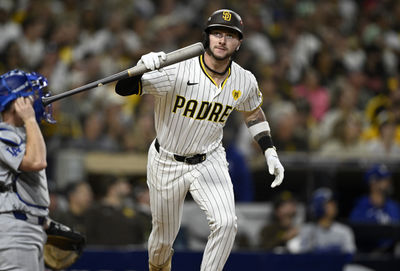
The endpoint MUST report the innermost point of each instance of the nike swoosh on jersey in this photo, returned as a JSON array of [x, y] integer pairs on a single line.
[[191, 83]]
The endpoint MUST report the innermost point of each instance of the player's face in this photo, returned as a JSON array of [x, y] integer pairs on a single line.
[[223, 43]]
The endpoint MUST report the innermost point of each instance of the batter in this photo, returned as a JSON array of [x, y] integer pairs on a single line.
[[193, 100]]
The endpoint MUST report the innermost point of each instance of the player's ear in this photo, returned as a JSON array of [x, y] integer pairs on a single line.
[[238, 47]]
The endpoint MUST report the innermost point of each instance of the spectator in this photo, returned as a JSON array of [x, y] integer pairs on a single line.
[[79, 196], [383, 103], [317, 95], [287, 122], [345, 141], [282, 228], [32, 44], [343, 106], [385, 145], [94, 135], [9, 29], [324, 234], [111, 213], [377, 207], [11, 57]]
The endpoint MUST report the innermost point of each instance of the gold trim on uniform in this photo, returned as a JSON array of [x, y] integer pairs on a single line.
[[140, 87], [209, 76]]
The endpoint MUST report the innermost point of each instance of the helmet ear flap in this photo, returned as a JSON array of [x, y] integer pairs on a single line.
[[206, 39]]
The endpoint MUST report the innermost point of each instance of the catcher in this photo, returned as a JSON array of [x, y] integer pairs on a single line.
[[24, 196]]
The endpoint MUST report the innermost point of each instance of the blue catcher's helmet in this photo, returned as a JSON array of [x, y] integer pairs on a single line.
[[319, 198], [17, 83]]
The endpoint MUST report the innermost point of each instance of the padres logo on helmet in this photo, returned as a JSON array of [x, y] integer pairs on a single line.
[[225, 18], [226, 15]]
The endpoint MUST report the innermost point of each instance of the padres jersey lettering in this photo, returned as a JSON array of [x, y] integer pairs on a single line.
[[189, 106], [190, 110], [203, 111]]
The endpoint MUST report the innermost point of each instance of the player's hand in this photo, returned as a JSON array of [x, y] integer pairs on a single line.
[[274, 166], [24, 109], [153, 60]]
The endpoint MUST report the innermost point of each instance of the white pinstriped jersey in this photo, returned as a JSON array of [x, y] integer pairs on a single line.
[[191, 110]]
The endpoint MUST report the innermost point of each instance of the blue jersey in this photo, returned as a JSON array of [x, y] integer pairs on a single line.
[[365, 212]]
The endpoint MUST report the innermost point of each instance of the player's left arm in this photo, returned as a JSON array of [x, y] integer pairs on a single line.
[[133, 85], [261, 132]]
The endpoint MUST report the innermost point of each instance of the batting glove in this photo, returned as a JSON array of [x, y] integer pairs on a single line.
[[153, 60], [274, 166]]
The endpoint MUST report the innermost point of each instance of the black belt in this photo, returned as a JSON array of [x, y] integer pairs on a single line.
[[39, 220], [191, 160]]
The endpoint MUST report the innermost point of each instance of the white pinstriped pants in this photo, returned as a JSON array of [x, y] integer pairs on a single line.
[[210, 186]]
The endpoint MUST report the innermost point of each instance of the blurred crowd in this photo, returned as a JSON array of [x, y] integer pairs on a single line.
[[115, 211], [328, 71]]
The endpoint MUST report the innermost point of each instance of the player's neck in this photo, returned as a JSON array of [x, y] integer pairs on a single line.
[[214, 66]]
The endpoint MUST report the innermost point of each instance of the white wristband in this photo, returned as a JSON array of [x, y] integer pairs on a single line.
[[259, 128]]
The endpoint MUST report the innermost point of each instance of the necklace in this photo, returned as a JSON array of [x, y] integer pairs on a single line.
[[214, 71]]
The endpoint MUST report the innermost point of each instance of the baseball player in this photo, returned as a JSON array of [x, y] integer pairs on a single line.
[[24, 197], [193, 100]]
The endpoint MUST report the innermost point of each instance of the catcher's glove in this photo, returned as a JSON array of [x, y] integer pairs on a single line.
[[63, 246]]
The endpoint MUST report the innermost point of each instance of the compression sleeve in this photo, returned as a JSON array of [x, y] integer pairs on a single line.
[[129, 86]]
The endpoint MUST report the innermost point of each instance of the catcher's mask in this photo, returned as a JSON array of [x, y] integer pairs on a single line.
[[223, 18], [17, 83]]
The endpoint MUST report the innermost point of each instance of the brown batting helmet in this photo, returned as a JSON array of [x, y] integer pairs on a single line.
[[225, 18]]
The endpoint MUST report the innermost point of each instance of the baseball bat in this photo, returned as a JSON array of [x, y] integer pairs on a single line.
[[176, 56]]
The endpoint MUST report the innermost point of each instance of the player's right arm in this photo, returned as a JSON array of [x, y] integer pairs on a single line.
[[35, 150]]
